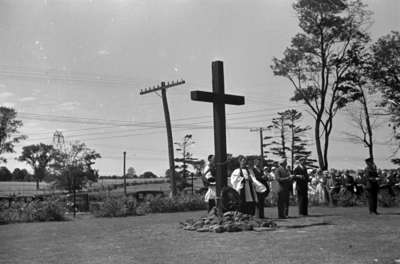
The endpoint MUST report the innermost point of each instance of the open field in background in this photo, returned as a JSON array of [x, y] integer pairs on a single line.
[[25, 188], [329, 235], [29, 188]]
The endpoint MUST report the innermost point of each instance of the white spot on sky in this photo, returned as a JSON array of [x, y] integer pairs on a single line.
[[68, 106], [176, 69], [103, 52], [5, 95], [36, 91], [27, 99]]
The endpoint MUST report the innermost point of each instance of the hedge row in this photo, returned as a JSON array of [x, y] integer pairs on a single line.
[[34, 211]]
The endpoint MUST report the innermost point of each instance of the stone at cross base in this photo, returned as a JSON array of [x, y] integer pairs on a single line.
[[219, 99]]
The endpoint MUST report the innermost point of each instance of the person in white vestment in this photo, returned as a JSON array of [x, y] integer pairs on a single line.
[[246, 184], [209, 174]]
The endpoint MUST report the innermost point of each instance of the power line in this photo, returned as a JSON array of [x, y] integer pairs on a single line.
[[102, 122], [182, 126]]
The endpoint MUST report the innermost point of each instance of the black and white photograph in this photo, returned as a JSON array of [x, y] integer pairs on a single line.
[[199, 131]]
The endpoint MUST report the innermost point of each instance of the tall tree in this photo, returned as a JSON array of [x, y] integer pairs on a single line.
[[5, 174], [385, 73], [278, 146], [356, 83], [39, 157], [9, 134], [131, 173], [182, 147], [74, 166], [291, 144], [317, 60], [298, 146], [21, 175]]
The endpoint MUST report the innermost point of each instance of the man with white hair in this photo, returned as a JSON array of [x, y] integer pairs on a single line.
[[246, 184]]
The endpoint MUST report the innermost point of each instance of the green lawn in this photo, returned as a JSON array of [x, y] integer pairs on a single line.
[[329, 235]]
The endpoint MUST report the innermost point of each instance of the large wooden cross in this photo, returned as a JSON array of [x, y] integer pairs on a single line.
[[219, 99]]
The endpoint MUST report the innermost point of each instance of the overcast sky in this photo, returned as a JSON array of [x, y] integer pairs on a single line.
[[78, 67]]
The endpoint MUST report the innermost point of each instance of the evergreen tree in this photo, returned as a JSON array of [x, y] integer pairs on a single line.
[[291, 142]]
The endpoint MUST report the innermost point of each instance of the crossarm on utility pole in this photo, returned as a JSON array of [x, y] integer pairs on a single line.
[[163, 87]]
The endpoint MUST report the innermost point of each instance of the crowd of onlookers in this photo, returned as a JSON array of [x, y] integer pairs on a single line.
[[325, 186]]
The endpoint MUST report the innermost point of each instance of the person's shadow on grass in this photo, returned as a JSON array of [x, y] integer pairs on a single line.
[[307, 225], [390, 213]]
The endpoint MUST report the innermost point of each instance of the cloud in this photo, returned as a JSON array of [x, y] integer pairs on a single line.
[[68, 106], [27, 99], [5, 95], [103, 52], [36, 91]]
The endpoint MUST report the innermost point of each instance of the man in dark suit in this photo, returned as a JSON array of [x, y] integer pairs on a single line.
[[261, 177], [302, 179], [371, 177], [283, 177]]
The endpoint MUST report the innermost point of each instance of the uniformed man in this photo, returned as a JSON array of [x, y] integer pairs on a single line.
[[372, 185], [284, 179], [301, 177]]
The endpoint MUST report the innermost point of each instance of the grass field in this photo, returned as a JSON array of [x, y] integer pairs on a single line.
[[26, 188], [329, 235], [29, 188]]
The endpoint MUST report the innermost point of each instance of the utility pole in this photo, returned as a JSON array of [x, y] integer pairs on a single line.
[[163, 87], [125, 174], [260, 130]]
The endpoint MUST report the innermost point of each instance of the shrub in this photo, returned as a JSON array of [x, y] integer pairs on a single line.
[[386, 199], [35, 211], [177, 204], [115, 206]]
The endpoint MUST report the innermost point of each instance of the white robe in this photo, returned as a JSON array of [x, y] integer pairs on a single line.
[[237, 183], [211, 193]]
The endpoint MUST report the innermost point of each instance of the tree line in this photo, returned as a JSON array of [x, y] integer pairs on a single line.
[[69, 166]]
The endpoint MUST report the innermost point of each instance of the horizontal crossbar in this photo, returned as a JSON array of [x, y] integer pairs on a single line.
[[217, 98]]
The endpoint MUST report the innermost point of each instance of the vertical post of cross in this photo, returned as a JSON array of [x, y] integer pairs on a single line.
[[218, 87], [219, 99], [124, 174]]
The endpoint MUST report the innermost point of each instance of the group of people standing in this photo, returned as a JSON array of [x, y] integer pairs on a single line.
[[251, 182]]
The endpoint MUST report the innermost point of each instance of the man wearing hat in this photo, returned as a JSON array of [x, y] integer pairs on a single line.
[[284, 179], [301, 178], [371, 176]]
